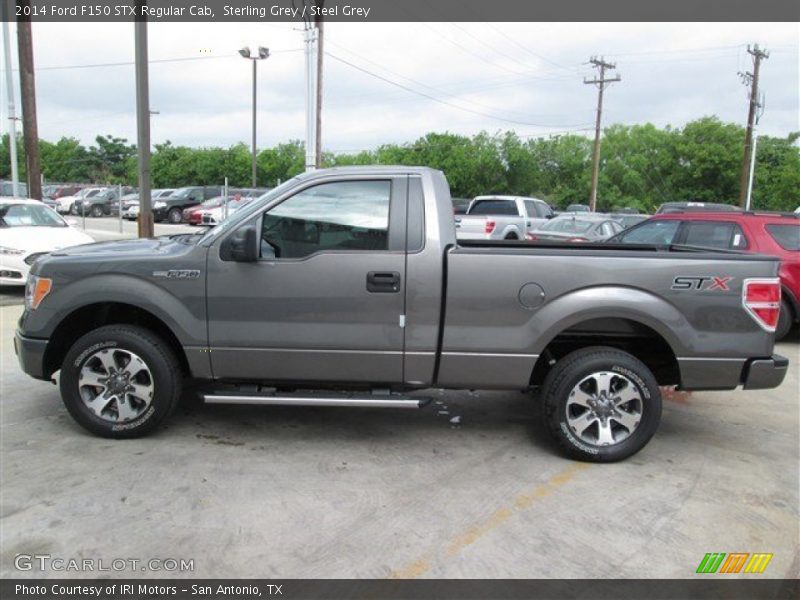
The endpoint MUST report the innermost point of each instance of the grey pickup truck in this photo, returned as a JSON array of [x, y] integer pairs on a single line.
[[347, 287]]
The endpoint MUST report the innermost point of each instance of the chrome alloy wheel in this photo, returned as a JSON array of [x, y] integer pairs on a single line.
[[604, 408], [116, 385]]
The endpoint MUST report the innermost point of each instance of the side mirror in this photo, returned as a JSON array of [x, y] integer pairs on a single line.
[[549, 216], [241, 246]]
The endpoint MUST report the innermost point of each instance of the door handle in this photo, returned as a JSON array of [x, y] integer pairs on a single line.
[[383, 282]]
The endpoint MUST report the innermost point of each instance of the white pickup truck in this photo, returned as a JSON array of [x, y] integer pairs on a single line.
[[502, 218]]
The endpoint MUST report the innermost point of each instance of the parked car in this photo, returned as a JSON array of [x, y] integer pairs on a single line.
[[66, 203], [7, 189], [28, 230], [578, 208], [577, 227], [219, 213], [669, 207], [170, 208], [57, 191], [131, 213], [348, 287], [773, 234], [96, 204], [628, 219], [502, 218]]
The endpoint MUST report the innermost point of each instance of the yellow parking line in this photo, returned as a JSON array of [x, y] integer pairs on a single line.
[[472, 534]]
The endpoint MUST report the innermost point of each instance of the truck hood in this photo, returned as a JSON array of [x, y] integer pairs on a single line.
[[127, 248]]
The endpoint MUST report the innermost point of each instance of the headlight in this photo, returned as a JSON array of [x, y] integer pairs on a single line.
[[160, 205], [35, 291], [10, 251]]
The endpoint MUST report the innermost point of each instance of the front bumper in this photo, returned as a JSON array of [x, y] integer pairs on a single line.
[[765, 373], [30, 354]]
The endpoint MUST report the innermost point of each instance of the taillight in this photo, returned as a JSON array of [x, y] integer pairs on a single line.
[[490, 225], [577, 239], [761, 298], [533, 236]]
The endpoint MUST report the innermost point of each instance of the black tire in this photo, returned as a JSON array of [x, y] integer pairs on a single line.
[[785, 320], [572, 369], [511, 236], [175, 215], [154, 352], [97, 211]]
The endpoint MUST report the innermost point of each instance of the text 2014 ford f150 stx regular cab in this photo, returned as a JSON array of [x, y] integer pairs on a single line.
[[347, 287]]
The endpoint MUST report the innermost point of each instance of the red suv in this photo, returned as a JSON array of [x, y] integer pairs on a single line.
[[775, 234]]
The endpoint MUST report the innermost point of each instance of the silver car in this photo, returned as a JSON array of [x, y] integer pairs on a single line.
[[578, 227]]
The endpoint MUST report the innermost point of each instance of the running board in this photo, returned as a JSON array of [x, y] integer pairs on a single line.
[[366, 401]]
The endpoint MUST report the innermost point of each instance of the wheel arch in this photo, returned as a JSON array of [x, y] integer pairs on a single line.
[[629, 319], [91, 316]]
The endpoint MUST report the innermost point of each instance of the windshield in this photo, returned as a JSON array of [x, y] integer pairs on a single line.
[[243, 214], [567, 225], [29, 215]]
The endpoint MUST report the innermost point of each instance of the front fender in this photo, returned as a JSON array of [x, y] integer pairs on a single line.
[[180, 304]]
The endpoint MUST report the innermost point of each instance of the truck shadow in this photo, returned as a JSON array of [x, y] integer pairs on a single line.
[[464, 416]]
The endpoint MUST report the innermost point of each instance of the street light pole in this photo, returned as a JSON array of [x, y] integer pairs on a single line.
[[263, 53]]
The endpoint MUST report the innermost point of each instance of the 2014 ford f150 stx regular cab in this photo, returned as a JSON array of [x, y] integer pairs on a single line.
[[347, 287]]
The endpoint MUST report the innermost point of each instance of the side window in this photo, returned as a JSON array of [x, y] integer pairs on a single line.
[[530, 208], [711, 234], [651, 232], [345, 215]]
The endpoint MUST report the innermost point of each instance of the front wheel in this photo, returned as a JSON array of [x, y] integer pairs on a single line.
[[120, 381], [175, 216], [601, 404], [97, 211]]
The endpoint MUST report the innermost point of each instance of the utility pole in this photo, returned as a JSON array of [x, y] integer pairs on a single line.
[[601, 82], [12, 116], [320, 52], [310, 38], [750, 79], [145, 220], [30, 129]]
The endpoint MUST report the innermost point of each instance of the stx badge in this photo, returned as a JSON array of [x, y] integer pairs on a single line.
[[708, 284]]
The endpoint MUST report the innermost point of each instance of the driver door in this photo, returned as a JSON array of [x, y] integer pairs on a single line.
[[324, 301]]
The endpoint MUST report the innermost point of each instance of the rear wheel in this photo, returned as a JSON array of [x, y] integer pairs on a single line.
[[175, 216], [785, 320], [601, 404], [511, 236], [120, 381]]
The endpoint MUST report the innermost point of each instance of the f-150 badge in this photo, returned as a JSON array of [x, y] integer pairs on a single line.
[[178, 274]]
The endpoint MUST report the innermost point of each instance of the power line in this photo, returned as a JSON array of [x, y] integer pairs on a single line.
[[437, 90], [429, 97], [155, 61], [526, 49]]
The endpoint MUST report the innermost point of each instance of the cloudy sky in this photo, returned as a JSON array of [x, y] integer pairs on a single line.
[[406, 79]]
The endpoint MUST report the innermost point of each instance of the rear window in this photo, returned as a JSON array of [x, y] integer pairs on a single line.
[[786, 236], [493, 207]]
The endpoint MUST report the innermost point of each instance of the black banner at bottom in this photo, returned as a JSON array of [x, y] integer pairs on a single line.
[[714, 587]]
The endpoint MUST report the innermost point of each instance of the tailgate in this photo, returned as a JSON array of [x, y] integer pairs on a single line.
[[472, 225]]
